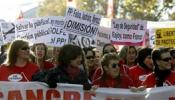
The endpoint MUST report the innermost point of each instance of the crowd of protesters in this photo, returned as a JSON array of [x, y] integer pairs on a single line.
[[130, 67]]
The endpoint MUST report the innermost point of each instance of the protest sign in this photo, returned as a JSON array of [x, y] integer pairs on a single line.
[[1, 40], [128, 32], [48, 30], [81, 41], [8, 32], [103, 37], [81, 22], [58, 35], [35, 30], [165, 37], [40, 91]]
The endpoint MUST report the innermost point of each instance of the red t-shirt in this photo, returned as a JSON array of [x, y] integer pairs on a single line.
[[150, 81], [47, 65], [138, 74], [123, 82], [18, 74], [97, 74]]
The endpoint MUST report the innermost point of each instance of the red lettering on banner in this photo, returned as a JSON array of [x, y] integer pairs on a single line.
[[71, 95], [31, 96], [171, 98], [54, 93], [112, 99], [14, 95], [89, 95]]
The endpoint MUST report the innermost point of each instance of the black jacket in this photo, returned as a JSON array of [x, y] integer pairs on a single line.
[[59, 75]]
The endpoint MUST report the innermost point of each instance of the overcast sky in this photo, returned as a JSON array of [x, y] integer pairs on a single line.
[[10, 9]]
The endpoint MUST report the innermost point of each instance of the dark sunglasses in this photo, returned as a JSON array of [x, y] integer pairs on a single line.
[[90, 57], [166, 59], [115, 65], [25, 48]]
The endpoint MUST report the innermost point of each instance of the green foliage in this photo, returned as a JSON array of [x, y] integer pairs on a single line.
[[126, 9], [52, 8], [144, 9], [94, 6], [172, 16]]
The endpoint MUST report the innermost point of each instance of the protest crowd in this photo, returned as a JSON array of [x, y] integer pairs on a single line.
[[136, 66]]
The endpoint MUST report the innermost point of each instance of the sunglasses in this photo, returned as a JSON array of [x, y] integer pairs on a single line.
[[115, 65], [166, 59], [90, 57], [25, 48]]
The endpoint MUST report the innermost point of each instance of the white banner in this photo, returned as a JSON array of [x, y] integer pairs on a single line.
[[8, 31], [152, 38], [82, 23], [23, 29], [81, 41], [46, 30], [103, 37], [40, 91], [1, 40], [128, 32], [58, 37]]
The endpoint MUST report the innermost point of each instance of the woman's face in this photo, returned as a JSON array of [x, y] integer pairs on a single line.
[[148, 62], [39, 51], [113, 69], [165, 61], [90, 58], [131, 55], [24, 52], [76, 62], [97, 58]]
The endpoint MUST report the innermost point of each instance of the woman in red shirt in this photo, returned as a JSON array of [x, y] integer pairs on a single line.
[[17, 66], [139, 72], [162, 75], [128, 55], [40, 54], [90, 62], [109, 48], [112, 77]]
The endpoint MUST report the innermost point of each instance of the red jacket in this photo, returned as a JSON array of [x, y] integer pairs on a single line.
[[92, 71], [138, 74], [123, 82], [150, 81], [47, 65], [15, 73]]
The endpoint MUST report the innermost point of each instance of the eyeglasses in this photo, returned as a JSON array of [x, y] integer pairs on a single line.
[[110, 51], [90, 57], [166, 59], [25, 48], [115, 65]]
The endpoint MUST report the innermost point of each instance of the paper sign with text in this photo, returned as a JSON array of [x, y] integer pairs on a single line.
[[128, 32], [40, 91], [82, 23], [8, 31], [165, 37], [103, 37], [58, 37]]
